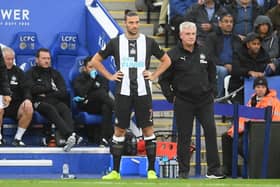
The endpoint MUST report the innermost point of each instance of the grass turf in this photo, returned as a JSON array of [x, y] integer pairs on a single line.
[[141, 183]]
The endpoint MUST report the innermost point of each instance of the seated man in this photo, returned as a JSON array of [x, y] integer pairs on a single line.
[[48, 90], [20, 107], [250, 61], [92, 96], [262, 98], [5, 91], [263, 26]]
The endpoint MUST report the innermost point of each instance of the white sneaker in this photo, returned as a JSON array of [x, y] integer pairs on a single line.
[[71, 141]]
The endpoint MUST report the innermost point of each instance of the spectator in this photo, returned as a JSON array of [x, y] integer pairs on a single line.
[[178, 9], [244, 13], [269, 39], [5, 92], [20, 107], [250, 61], [225, 2], [266, 4], [162, 18], [274, 15], [263, 97], [205, 16], [92, 96], [221, 45], [49, 91], [132, 51], [191, 65]]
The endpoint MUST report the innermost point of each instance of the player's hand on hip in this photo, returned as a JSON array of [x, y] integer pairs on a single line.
[[6, 100], [117, 76], [148, 75]]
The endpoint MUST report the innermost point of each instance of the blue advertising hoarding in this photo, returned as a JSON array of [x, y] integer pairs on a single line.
[[46, 18]]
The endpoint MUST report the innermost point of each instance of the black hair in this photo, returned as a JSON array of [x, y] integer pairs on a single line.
[[87, 60], [41, 50], [129, 13], [224, 14]]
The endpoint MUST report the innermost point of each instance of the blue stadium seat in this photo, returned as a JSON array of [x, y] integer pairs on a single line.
[[25, 46], [64, 51], [81, 116], [273, 83]]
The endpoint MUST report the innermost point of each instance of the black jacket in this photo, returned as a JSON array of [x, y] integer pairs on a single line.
[[197, 14], [46, 81], [191, 76], [4, 84], [243, 62], [215, 44], [18, 84], [232, 9], [85, 86]]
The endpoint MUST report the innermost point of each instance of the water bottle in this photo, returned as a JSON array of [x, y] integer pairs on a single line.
[[65, 171]]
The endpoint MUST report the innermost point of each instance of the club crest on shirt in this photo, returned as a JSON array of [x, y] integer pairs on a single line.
[[13, 80], [203, 59]]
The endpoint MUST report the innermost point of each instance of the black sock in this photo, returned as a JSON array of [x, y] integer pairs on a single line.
[[151, 152], [116, 150]]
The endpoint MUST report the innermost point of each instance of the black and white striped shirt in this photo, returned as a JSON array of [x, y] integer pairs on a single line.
[[132, 57]]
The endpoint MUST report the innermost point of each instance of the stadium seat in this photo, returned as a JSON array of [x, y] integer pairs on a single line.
[[80, 116], [273, 83], [64, 51], [25, 45]]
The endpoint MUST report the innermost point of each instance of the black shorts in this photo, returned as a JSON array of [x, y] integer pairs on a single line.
[[12, 110], [141, 105]]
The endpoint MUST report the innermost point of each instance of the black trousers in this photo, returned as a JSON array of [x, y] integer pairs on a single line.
[[59, 114], [106, 110], [185, 111], [227, 151]]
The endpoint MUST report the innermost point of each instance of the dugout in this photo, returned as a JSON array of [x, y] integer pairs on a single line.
[[256, 150]]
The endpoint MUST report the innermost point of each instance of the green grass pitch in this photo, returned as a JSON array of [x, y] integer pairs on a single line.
[[141, 183]]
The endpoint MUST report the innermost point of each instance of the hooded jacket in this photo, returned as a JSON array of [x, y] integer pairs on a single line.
[[270, 41], [268, 100]]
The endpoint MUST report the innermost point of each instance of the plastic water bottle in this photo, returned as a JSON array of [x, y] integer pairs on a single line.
[[65, 171]]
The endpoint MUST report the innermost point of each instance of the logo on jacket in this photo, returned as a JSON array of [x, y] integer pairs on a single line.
[[13, 80], [203, 59]]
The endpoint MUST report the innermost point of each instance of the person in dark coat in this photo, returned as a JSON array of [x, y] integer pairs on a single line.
[[48, 91], [92, 96], [221, 45], [190, 84], [251, 61], [20, 108], [5, 91]]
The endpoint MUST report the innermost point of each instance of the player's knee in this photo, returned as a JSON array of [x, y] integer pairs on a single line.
[[150, 142], [117, 145]]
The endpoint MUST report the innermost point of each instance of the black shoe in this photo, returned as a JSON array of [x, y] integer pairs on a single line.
[[215, 175], [18, 143], [183, 175]]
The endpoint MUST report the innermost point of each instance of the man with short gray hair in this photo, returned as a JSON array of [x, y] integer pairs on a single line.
[[190, 83]]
